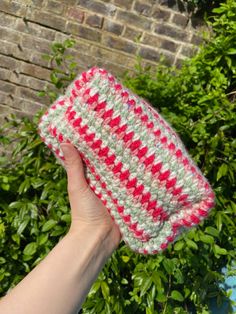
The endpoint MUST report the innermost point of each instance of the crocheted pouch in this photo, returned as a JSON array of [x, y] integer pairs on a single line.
[[134, 161]]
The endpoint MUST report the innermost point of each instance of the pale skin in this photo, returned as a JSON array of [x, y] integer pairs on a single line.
[[60, 283]]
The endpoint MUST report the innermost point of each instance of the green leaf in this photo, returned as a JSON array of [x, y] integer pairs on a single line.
[[105, 290], [73, 65], [179, 245], [124, 281], [24, 187], [30, 248], [161, 297], [187, 292], [191, 244], [168, 265], [95, 287], [231, 51], [16, 205], [156, 280], [49, 225], [176, 295], [46, 57], [54, 78], [219, 221], [66, 218], [2, 260], [149, 311], [212, 231], [146, 285], [179, 276], [218, 250], [206, 239], [23, 225], [58, 231], [219, 10], [15, 237], [5, 187], [222, 171], [125, 258], [69, 43], [43, 238]]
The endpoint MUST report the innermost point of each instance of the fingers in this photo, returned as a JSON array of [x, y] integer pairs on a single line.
[[75, 171]]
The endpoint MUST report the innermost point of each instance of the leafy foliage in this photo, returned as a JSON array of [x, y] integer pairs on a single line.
[[199, 101], [63, 67], [199, 6], [33, 202]]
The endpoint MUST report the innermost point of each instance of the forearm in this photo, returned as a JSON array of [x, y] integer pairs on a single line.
[[60, 283]]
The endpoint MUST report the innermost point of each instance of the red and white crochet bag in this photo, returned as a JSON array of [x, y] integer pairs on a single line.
[[134, 161]]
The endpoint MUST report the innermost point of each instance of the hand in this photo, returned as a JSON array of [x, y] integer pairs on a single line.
[[86, 208], [91, 240]]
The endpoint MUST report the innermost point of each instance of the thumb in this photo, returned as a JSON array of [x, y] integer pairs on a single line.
[[75, 170]]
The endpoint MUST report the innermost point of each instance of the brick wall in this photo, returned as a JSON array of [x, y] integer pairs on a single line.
[[109, 33]]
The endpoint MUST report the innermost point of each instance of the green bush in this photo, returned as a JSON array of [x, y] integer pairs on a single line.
[[198, 7], [199, 101]]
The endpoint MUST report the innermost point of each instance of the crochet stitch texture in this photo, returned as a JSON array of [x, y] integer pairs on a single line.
[[134, 161]]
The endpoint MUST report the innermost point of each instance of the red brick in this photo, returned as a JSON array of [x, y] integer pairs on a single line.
[[9, 34], [60, 37], [13, 8], [7, 87], [134, 20], [76, 14], [4, 110], [47, 19], [28, 81], [36, 58], [16, 51], [81, 43], [106, 54], [29, 94], [114, 68], [27, 106], [142, 8], [4, 74], [171, 32], [7, 20], [160, 14], [38, 44], [119, 43], [98, 7], [132, 34], [94, 21], [86, 60], [55, 6], [149, 53], [35, 29], [113, 27], [69, 2], [153, 55], [8, 62], [35, 71], [125, 4], [180, 20], [83, 32], [36, 3], [157, 42]]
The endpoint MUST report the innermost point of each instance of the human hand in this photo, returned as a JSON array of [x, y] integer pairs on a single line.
[[87, 209]]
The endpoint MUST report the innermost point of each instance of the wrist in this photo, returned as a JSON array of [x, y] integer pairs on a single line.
[[103, 237]]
